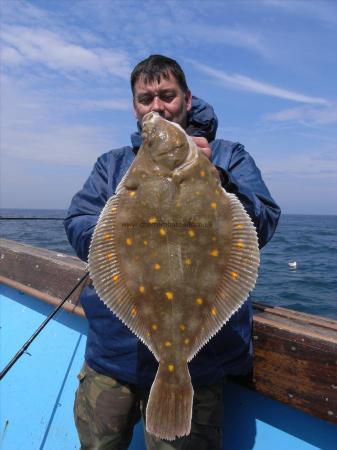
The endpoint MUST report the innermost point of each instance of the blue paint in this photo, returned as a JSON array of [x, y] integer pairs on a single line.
[[57, 401], [253, 421], [37, 394]]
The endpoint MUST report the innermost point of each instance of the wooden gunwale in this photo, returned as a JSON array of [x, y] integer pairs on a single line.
[[309, 319], [305, 330], [69, 307], [295, 354]]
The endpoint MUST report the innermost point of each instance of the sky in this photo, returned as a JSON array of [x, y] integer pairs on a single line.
[[268, 67]]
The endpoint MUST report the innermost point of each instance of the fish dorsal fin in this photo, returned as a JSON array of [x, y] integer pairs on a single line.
[[239, 277], [107, 276]]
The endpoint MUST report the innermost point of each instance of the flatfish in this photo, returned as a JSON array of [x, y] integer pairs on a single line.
[[173, 255]]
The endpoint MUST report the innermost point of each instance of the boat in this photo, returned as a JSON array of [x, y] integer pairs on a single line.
[[289, 401]]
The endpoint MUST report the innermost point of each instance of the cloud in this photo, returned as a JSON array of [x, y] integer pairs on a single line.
[[23, 12], [307, 166], [11, 56], [61, 144], [38, 126], [112, 104], [156, 25], [231, 36], [324, 11], [249, 84], [39, 45], [305, 115]]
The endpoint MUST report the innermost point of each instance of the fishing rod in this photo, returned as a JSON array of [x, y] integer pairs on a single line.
[[37, 332], [31, 218]]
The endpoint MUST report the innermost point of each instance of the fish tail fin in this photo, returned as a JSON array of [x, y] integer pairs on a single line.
[[169, 409]]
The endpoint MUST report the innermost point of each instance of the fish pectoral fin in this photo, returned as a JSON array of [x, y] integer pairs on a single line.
[[169, 409]]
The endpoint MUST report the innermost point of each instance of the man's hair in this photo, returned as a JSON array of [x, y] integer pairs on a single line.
[[156, 67]]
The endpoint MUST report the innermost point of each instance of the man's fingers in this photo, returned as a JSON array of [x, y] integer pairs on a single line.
[[203, 144]]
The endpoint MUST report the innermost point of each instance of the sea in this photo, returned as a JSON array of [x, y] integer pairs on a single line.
[[310, 241]]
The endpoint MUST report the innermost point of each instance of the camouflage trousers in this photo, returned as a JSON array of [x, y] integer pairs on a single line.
[[106, 411]]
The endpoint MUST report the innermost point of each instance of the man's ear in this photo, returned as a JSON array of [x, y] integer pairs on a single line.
[[188, 100]]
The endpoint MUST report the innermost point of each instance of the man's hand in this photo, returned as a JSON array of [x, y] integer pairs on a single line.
[[203, 144]]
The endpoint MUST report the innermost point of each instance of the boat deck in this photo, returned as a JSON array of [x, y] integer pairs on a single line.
[[37, 394]]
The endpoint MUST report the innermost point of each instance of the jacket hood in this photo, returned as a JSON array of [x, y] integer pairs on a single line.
[[201, 121]]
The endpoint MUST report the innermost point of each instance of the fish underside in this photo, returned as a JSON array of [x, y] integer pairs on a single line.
[[174, 256]]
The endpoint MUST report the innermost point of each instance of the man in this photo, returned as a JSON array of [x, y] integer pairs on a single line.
[[119, 369]]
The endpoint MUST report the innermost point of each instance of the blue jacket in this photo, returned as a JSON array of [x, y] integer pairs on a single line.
[[112, 348]]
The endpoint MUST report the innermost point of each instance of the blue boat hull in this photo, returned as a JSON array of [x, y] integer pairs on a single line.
[[37, 394]]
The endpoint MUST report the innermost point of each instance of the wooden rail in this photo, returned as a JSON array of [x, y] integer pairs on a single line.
[[295, 358]]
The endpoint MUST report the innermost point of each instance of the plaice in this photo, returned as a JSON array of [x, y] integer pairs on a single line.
[[173, 255]]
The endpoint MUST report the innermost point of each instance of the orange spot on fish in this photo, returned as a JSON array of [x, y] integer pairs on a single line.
[[114, 209], [182, 327], [239, 226], [115, 278], [162, 232], [202, 173], [186, 341], [154, 327], [109, 256], [128, 241], [168, 344], [132, 193], [213, 205], [240, 244], [188, 261], [145, 242], [170, 367], [141, 289], [234, 275], [214, 252], [107, 236], [133, 312], [213, 311], [199, 301], [152, 220], [169, 295], [191, 233], [156, 266]]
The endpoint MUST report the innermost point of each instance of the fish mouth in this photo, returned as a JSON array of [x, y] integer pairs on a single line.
[[148, 126], [150, 117]]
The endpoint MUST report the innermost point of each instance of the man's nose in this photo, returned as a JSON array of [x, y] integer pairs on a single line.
[[157, 104]]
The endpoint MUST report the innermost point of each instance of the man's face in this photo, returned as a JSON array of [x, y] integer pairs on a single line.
[[166, 98]]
